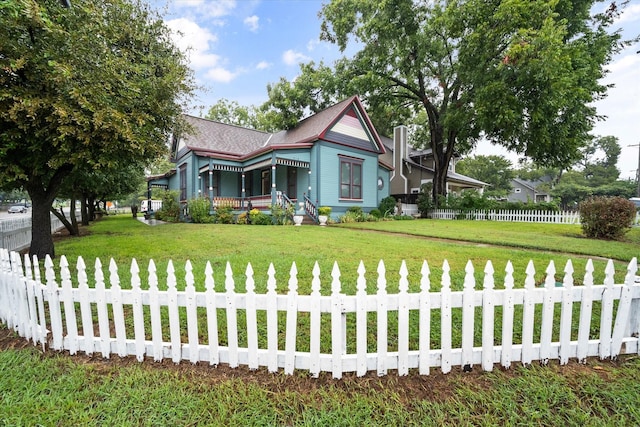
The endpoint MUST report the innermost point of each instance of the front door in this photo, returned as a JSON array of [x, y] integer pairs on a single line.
[[266, 181], [292, 183]]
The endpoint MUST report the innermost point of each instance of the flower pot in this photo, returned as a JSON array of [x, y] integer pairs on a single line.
[[297, 220], [323, 219]]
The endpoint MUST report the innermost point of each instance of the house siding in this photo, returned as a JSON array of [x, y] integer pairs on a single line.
[[328, 161]]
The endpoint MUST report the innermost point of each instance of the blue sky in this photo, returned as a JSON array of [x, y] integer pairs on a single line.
[[240, 46]]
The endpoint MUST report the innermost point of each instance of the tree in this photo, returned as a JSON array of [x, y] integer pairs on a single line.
[[598, 161], [232, 113], [521, 74], [89, 85], [93, 186], [494, 170]]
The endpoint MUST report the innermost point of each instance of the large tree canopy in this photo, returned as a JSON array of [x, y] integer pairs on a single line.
[[519, 73], [98, 85]]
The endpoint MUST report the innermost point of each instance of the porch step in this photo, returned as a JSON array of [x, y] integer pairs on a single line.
[[307, 220]]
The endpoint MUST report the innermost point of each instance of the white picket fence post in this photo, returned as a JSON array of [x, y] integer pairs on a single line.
[[27, 305]]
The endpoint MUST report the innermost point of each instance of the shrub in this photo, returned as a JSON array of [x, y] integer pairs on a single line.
[[324, 210], [199, 210], [387, 206], [606, 217], [243, 218], [257, 217], [349, 217], [281, 215], [376, 213], [224, 215], [170, 211], [425, 200]]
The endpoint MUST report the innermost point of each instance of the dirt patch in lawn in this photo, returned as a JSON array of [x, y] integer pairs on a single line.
[[436, 386]]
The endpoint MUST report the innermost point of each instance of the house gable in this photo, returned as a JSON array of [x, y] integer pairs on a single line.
[[352, 129]]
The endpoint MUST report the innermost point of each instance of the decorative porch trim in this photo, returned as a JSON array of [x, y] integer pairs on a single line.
[[221, 167], [293, 163]]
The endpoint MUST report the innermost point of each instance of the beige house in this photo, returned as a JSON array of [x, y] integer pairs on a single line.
[[412, 168]]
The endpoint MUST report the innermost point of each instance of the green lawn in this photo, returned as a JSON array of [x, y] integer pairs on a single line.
[[52, 389], [123, 238]]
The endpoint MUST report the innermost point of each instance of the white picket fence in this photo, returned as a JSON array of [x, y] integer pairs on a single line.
[[559, 217], [129, 321], [15, 233]]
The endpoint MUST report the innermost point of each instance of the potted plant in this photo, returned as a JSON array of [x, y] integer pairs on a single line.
[[323, 214], [297, 218]]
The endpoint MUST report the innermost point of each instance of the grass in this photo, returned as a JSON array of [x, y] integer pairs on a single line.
[[56, 389], [123, 239]]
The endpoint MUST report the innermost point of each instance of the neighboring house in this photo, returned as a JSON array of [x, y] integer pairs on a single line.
[[529, 191], [412, 168], [329, 159]]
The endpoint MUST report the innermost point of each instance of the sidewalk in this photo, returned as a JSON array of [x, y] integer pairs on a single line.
[[151, 222]]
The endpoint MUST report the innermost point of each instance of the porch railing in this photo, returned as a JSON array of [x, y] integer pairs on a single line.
[[284, 201], [310, 208], [257, 202]]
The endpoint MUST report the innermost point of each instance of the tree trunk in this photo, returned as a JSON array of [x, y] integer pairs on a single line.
[[42, 195], [41, 238], [84, 210], [70, 224], [91, 208]]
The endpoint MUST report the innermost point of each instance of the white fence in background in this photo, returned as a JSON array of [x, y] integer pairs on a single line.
[[15, 233], [560, 217], [227, 327]]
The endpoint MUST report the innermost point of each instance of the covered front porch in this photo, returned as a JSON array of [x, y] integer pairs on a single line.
[[261, 185]]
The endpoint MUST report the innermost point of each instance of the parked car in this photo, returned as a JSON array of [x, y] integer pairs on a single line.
[[17, 209]]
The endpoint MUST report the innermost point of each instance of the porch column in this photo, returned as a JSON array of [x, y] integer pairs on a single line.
[[211, 182], [309, 183], [273, 184], [243, 192]]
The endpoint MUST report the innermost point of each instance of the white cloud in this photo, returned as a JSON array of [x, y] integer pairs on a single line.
[[631, 13], [252, 23], [263, 65], [291, 57], [221, 75], [311, 44], [195, 40]]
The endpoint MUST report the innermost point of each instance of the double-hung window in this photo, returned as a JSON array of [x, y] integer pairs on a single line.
[[350, 178]]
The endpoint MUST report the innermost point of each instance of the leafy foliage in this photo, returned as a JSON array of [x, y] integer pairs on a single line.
[[520, 73], [494, 170], [606, 217], [281, 215], [257, 217], [199, 210], [387, 206], [170, 211], [98, 85], [224, 214]]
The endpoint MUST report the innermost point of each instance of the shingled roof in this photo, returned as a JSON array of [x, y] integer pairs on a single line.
[[209, 137]]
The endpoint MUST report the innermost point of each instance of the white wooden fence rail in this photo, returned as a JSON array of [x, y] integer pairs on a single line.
[[129, 321], [551, 217], [15, 233]]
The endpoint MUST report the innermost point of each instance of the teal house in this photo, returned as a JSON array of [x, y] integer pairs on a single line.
[[332, 158]]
